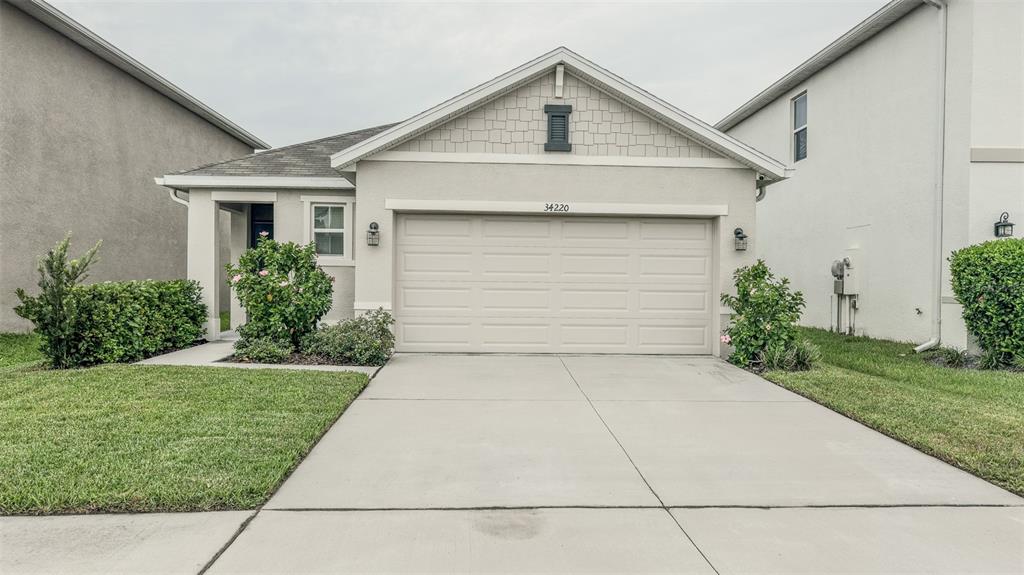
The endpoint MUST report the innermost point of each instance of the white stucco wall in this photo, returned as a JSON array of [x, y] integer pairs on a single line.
[[380, 181], [866, 189], [867, 186]]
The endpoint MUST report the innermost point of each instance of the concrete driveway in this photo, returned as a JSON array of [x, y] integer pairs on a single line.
[[616, 464]]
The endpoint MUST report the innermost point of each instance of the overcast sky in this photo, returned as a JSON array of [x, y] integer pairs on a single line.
[[295, 71]]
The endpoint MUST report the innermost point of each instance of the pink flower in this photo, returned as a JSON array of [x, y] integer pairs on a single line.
[[284, 283], [726, 338], [264, 233], [236, 278], [264, 273]]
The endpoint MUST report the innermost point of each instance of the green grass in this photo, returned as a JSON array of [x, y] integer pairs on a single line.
[[18, 348], [158, 438], [225, 320], [969, 418]]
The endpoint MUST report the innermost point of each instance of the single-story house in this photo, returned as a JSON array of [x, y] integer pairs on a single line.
[[906, 136], [555, 208], [83, 128]]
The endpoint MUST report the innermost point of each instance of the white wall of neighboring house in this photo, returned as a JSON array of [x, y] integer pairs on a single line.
[[867, 189]]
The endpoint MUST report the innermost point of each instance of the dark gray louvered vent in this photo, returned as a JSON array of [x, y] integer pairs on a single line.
[[558, 128]]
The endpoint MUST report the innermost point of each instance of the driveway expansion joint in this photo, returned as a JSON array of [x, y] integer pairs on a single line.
[[631, 462]]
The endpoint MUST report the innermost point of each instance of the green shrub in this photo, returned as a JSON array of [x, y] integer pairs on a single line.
[[765, 312], [132, 320], [364, 340], [988, 280], [53, 311], [108, 322], [262, 349], [283, 290]]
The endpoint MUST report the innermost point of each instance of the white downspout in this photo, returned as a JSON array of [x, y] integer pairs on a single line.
[[174, 196], [939, 185]]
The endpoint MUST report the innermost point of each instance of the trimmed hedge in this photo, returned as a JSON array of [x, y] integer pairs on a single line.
[[988, 280], [119, 322], [132, 320]]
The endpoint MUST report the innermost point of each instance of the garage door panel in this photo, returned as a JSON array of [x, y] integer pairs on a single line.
[[510, 228], [553, 284], [435, 228], [516, 300], [601, 229], [494, 263], [434, 299], [673, 301], [434, 334]]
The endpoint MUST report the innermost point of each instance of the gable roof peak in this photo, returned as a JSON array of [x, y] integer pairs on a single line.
[[584, 69]]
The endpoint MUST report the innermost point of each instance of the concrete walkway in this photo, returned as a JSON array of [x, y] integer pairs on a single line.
[[213, 354], [573, 464]]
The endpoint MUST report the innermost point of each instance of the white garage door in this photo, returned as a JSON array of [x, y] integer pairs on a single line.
[[545, 284]]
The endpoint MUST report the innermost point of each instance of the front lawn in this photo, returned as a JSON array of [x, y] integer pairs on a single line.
[[157, 438], [16, 348], [971, 419]]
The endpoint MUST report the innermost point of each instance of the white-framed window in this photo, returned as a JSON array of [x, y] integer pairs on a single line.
[[800, 127], [329, 229], [328, 226]]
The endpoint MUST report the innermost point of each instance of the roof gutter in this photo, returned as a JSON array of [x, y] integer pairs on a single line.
[[940, 175]]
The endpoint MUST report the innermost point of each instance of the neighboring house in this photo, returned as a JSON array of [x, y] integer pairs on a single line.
[[83, 128], [556, 208], [907, 140]]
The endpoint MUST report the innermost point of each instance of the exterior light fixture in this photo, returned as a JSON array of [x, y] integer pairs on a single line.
[[373, 235], [741, 239], [1004, 227]]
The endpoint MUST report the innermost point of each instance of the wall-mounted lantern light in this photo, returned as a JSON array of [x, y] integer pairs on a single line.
[[741, 239], [373, 235], [1004, 227]]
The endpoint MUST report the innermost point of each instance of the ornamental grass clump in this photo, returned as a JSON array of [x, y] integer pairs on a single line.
[[283, 290], [763, 331]]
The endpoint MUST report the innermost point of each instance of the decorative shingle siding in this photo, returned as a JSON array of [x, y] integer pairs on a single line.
[[515, 124]]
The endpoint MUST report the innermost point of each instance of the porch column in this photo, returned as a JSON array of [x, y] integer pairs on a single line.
[[239, 243], [203, 248]]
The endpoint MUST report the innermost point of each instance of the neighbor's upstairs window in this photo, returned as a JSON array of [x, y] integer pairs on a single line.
[[329, 229], [800, 127]]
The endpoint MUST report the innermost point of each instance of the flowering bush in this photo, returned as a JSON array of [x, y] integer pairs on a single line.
[[765, 312], [988, 280], [283, 290]]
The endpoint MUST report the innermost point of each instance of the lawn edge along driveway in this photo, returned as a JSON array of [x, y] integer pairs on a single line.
[[133, 438], [971, 419]]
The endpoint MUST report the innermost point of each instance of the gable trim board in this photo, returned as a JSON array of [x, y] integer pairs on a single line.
[[553, 159], [590, 73], [72, 30]]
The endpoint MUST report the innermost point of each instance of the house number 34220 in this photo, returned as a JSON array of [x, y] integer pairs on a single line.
[[556, 207]]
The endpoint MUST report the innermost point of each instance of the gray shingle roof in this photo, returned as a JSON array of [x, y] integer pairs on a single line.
[[308, 159]]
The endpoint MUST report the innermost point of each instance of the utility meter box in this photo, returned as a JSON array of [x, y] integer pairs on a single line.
[[845, 277]]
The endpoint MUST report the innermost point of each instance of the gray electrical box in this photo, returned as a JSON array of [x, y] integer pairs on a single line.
[[845, 282]]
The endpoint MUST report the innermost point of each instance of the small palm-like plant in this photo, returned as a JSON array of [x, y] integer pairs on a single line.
[[53, 311]]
